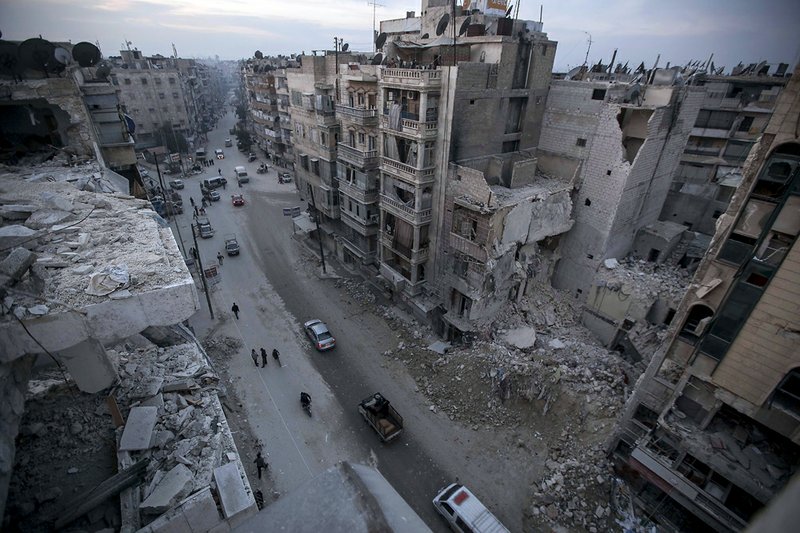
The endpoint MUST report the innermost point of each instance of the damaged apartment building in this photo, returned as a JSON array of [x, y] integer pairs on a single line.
[[711, 433]]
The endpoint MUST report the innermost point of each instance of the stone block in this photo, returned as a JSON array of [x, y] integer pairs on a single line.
[[176, 484], [44, 218], [232, 492], [521, 337], [17, 211], [139, 428], [201, 511], [14, 235]]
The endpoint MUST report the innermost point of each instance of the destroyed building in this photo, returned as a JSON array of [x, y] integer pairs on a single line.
[[711, 432], [268, 107], [735, 111], [502, 215]]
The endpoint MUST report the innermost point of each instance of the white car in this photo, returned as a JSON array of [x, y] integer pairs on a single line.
[[219, 153], [318, 332], [464, 512]]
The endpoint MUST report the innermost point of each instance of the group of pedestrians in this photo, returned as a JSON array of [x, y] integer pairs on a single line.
[[275, 355]]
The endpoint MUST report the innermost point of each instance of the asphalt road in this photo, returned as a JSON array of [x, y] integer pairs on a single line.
[[278, 286]]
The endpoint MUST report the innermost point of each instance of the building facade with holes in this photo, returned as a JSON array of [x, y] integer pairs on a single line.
[[712, 431]]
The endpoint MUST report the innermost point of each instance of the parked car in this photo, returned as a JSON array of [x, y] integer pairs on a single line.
[[465, 512], [237, 199], [219, 153], [228, 143], [231, 244], [176, 184], [143, 172], [204, 227], [214, 195], [319, 334]]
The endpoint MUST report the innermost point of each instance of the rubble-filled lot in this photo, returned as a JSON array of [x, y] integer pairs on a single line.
[[542, 374]]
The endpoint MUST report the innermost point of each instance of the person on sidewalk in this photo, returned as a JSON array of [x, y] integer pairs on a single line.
[[277, 356], [219, 171], [254, 355], [191, 200], [261, 464], [263, 357], [220, 258], [235, 309]]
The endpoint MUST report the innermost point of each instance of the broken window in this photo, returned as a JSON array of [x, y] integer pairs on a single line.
[[737, 150], [746, 124], [599, 94], [787, 393], [465, 224], [144, 81], [510, 146], [696, 321], [580, 142], [460, 268], [127, 81], [715, 119]]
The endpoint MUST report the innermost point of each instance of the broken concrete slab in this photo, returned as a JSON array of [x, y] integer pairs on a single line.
[[17, 211], [154, 401], [521, 338], [611, 263], [139, 429], [176, 484], [44, 218], [17, 263], [14, 235], [556, 344], [232, 493], [440, 347], [182, 385]]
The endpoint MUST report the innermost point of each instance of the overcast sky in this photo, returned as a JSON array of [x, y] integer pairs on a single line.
[[680, 30]]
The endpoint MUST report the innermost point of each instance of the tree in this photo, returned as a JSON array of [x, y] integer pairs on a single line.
[[173, 140], [259, 55], [241, 111], [243, 137]]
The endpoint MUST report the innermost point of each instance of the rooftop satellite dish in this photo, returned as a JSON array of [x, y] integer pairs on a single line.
[[426, 36], [86, 54], [464, 26], [442, 24], [37, 54], [381, 40], [62, 56], [103, 71], [376, 59], [345, 47]]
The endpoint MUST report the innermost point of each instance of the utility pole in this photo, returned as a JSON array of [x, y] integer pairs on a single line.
[[319, 231], [202, 272], [586, 59], [375, 6], [168, 210]]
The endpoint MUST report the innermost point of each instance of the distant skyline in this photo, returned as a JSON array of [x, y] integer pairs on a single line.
[[680, 30]]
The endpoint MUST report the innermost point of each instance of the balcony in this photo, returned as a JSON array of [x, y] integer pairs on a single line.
[[412, 256], [358, 115], [367, 257], [264, 106], [407, 77], [326, 118], [405, 212], [424, 130], [467, 247], [407, 172], [365, 197], [357, 157], [366, 227]]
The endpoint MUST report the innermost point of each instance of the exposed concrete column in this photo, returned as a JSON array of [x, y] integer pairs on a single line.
[[423, 108], [89, 365]]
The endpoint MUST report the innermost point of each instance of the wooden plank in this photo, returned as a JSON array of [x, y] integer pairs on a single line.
[[116, 414]]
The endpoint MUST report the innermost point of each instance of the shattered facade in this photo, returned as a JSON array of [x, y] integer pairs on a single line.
[[501, 215], [711, 432], [268, 107], [629, 139]]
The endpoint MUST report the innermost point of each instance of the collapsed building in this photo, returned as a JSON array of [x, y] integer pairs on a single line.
[[711, 432]]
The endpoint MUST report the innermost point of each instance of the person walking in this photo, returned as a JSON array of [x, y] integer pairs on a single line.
[[261, 464], [263, 357], [220, 257], [191, 201], [254, 355], [219, 170], [235, 309], [196, 211], [277, 356]]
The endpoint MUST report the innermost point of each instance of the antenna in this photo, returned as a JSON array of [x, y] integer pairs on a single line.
[[586, 59], [174, 51], [375, 5], [516, 10]]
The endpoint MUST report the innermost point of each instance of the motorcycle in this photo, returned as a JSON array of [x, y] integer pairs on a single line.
[[305, 402], [262, 169], [251, 157]]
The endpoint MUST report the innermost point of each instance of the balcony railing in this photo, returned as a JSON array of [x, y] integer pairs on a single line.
[[425, 175], [365, 197], [412, 77], [413, 256], [367, 117], [326, 118], [406, 212], [357, 157], [426, 130]]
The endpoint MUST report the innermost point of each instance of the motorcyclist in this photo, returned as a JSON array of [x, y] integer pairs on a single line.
[[305, 399]]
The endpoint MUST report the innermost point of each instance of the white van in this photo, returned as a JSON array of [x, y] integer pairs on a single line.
[[241, 174], [465, 513], [214, 183]]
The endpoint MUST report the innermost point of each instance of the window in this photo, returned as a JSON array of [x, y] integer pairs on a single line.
[[362, 138], [372, 142], [787, 394], [172, 81], [127, 81], [715, 119], [696, 321], [599, 94], [162, 96], [460, 268], [737, 150], [580, 142], [510, 146], [175, 95], [746, 124], [158, 81], [144, 81], [463, 525]]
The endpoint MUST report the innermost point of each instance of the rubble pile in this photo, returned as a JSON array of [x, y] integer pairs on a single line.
[[186, 437], [80, 247], [645, 280], [359, 291]]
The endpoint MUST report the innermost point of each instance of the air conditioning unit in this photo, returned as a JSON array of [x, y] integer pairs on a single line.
[[374, 219]]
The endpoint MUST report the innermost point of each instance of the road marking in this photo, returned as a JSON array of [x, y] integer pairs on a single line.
[[277, 410]]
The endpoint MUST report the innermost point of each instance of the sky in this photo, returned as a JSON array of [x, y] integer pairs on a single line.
[[680, 30]]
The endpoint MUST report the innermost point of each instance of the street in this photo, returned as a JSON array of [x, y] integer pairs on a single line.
[[278, 285]]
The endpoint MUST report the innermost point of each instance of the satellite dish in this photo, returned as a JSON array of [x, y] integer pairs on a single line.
[[9, 58], [62, 56], [103, 71], [381, 40], [426, 36], [86, 54], [464, 26], [345, 47], [442, 24], [37, 54], [376, 59]]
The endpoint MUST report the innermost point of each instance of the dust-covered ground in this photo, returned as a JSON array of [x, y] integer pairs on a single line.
[[565, 389]]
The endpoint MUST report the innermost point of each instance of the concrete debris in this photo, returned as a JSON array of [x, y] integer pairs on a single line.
[[522, 338], [17, 263], [611, 263], [175, 485], [440, 347], [556, 344], [139, 429], [232, 492]]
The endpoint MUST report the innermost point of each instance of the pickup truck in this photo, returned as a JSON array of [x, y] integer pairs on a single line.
[[204, 226], [380, 414], [231, 244]]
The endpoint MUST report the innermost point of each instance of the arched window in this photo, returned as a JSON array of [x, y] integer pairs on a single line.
[[787, 393], [696, 321]]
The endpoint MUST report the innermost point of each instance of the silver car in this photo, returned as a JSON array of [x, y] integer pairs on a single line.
[[318, 332]]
